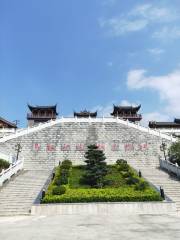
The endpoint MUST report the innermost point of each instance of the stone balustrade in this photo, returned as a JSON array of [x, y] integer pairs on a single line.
[[170, 167]]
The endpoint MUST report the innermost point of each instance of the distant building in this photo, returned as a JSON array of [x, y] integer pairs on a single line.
[[85, 114], [41, 114], [172, 128], [129, 113], [6, 127]]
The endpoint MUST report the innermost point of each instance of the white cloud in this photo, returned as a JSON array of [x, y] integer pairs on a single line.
[[108, 108], [118, 26], [138, 19], [154, 14], [154, 116], [167, 33], [127, 103], [103, 110], [155, 51], [167, 86]]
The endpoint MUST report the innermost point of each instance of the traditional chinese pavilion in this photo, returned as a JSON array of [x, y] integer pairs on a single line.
[[5, 124], [85, 114], [41, 114], [129, 113], [165, 125]]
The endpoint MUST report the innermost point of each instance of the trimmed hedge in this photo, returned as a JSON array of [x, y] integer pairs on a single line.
[[104, 195]]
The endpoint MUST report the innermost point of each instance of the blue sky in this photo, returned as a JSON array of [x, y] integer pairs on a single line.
[[90, 54]]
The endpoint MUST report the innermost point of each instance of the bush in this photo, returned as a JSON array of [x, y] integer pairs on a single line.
[[122, 165], [4, 164], [132, 180], [141, 186], [174, 153], [58, 190], [63, 173], [66, 164]]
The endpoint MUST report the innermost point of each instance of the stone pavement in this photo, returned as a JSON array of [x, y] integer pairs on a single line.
[[90, 227]]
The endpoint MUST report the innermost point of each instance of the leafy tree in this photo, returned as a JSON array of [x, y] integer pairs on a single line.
[[174, 153], [96, 167]]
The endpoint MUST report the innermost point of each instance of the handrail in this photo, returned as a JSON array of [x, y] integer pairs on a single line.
[[89, 120], [8, 173]]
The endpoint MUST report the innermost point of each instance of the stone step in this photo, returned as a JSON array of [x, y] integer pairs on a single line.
[[17, 197]]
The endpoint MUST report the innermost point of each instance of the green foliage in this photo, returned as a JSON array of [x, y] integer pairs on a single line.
[[122, 165], [141, 186], [96, 168], [115, 188], [66, 164], [63, 173], [58, 190], [174, 152], [104, 195], [4, 164]]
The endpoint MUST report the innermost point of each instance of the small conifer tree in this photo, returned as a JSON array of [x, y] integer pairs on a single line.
[[96, 167]]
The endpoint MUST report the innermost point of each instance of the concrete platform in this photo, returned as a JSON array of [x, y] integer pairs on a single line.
[[91, 227]]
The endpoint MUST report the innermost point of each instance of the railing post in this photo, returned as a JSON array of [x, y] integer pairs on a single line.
[[162, 192]]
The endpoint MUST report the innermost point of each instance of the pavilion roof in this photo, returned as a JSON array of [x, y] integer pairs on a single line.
[[85, 113], [52, 107], [122, 109], [10, 124], [154, 124]]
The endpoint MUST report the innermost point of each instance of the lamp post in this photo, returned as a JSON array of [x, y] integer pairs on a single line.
[[18, 149], [163, 148]]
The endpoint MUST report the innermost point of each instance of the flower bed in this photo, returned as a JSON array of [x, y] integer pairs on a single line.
[[120, 185]]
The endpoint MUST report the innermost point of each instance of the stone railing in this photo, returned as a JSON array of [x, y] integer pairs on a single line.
[[8, 173], [170, 167], [89, 120]]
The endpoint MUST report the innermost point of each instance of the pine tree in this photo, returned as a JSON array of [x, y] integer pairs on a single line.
[[96, 168]]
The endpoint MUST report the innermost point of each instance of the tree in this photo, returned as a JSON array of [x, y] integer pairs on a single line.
[[96, 167], [174, 153]]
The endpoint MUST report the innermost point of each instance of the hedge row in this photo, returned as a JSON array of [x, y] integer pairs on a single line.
[[103, 195]]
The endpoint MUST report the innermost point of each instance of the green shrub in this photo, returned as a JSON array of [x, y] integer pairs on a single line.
[[4, 164], [174, 153], [58, 190], [132, 180], [141, 186], [66, 164], [64, 175], [122, 165]]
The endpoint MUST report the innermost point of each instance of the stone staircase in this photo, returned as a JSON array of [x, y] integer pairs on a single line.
[[40, 164], [158, 177], [18, 195]]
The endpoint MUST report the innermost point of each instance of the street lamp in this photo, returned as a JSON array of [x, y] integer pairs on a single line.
[[163, 148], [18, 149]]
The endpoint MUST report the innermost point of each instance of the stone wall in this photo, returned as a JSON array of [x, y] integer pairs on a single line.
[[46, 147]]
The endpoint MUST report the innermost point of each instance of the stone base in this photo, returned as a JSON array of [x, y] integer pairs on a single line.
[[105, 208]]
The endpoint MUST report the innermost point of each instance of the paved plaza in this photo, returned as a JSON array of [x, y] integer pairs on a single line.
[[87, 227]]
